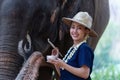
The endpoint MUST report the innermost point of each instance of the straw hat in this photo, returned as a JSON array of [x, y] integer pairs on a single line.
[[83, 18]]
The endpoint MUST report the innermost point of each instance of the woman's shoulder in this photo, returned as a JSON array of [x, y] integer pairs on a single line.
[[85, 45], [86, 49]]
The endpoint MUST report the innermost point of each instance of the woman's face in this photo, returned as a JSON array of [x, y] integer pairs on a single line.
[[77, 32]]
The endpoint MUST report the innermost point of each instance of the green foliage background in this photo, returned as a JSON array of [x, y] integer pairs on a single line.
[[105, 66]]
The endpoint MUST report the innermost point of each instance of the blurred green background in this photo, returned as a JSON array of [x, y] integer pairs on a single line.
[[107, 53]]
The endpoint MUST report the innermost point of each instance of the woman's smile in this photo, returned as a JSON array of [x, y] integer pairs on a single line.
[[77, 32]]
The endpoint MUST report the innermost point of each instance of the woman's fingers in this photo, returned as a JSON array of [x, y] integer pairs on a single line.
[[53, 61], [58, 62]]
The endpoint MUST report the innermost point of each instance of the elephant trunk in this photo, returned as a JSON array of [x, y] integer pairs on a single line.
[[9, 65], [30, 70], [10, 61]]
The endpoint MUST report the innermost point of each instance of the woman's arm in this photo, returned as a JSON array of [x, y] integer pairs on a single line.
[[82, 72]]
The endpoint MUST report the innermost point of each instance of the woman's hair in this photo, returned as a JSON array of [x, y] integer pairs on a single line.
[[87, 35]]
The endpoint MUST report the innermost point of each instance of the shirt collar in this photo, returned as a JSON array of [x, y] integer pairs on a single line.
[[84, 41]]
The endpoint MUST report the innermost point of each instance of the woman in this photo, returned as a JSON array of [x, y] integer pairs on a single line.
[[77, 63]]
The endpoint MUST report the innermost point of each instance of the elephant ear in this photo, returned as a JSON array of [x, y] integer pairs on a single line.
[[100, 19]]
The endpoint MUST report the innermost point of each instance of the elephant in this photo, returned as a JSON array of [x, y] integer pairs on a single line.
[[25, 26]]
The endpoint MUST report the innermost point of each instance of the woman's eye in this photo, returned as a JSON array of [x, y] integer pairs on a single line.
[[79, 28], [72, 27]]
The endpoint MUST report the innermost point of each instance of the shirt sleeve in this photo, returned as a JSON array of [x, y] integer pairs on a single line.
[[85, 56]]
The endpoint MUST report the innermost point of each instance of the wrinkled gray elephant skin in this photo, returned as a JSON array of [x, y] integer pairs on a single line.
[[40, 20]]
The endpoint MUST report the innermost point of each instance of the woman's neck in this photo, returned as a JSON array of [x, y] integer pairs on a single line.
[[77, 42]]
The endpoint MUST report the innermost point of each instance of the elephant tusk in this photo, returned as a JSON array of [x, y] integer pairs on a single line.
[[20, 49], [29, 41], [23, 50]]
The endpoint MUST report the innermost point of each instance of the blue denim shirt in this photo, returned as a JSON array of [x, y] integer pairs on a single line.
[[83, 56]]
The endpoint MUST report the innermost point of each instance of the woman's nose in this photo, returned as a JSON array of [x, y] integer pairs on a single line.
[[75, 29]]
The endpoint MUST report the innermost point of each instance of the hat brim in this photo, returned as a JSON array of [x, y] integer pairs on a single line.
[[68, 22]]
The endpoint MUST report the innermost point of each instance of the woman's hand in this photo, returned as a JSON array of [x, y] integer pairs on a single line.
[[58, 62], [54, 54]]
